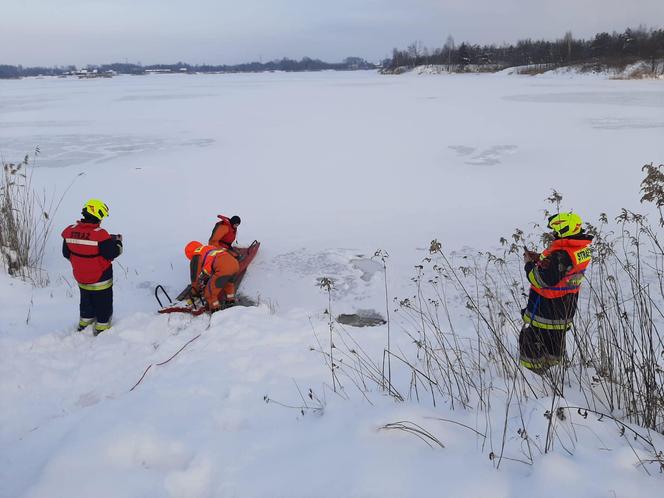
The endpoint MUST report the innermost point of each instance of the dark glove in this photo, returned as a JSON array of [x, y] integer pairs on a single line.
[[530, 256], [202, 281]]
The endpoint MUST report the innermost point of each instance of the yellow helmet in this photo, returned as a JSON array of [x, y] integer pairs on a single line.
[[565, 224], [96, 208]]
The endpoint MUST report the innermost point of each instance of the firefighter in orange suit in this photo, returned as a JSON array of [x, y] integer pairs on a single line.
[[555, 278], [212, 272], [90, 249], [224, 232]]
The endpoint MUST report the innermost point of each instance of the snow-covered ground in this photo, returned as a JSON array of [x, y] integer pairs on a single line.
[[324, 169], [638, 70]]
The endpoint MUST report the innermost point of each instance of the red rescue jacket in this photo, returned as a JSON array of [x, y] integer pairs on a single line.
[[83, 241]]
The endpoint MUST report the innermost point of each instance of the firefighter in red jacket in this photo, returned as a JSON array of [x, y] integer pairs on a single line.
[[555, 277], [212, 272], [90, 250], [224, 232]]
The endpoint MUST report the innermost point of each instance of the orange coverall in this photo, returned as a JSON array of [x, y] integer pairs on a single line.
[[220, 268]]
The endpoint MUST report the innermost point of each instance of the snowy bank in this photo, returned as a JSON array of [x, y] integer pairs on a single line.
[[636, 70]]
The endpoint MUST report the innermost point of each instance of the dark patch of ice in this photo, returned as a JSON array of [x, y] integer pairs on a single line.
[[243, 300], [363, 318]]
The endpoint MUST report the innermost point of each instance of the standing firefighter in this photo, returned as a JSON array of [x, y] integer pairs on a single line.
[[90, 250], [224, 232], [213, 273], [555, 278]]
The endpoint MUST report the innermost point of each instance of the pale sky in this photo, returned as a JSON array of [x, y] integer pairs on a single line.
[[59, 32]]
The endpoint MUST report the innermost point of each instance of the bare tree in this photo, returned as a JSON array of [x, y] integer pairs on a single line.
[[449, 48], [568, 39]]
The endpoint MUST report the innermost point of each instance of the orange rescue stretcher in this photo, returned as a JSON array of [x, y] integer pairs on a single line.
[[184, 303]]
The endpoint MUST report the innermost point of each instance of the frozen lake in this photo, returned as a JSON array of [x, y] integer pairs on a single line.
[[324, 169], [333, 160]]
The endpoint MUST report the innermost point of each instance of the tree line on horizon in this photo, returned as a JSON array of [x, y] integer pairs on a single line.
[[285, 64], [610, 49]]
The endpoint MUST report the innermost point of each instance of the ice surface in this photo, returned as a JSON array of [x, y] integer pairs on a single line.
[[324, 170], [648, 99]]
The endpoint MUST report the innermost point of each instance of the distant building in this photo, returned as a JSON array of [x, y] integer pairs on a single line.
[[93, 73]]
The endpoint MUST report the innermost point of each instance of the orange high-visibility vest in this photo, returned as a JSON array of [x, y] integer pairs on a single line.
[[580, 255], [208, 259]]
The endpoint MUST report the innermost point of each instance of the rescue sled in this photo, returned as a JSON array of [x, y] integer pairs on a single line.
[[184, 303]]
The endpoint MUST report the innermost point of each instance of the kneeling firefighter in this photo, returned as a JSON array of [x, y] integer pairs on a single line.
[[212, 272], [555, 278], [90, 249]]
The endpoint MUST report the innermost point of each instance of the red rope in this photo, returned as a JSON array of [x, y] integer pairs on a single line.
[[163, 362]]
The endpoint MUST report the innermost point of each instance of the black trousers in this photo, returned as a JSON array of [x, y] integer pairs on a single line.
[[541, 346], [97, 304]]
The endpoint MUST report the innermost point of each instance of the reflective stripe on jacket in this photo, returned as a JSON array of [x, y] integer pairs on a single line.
[[82, 241], [103, 285], [208, 260], [206, 266], [201, 262], [579, 254], [540, 322]]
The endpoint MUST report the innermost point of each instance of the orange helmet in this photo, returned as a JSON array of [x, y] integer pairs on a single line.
[[190, 248]]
